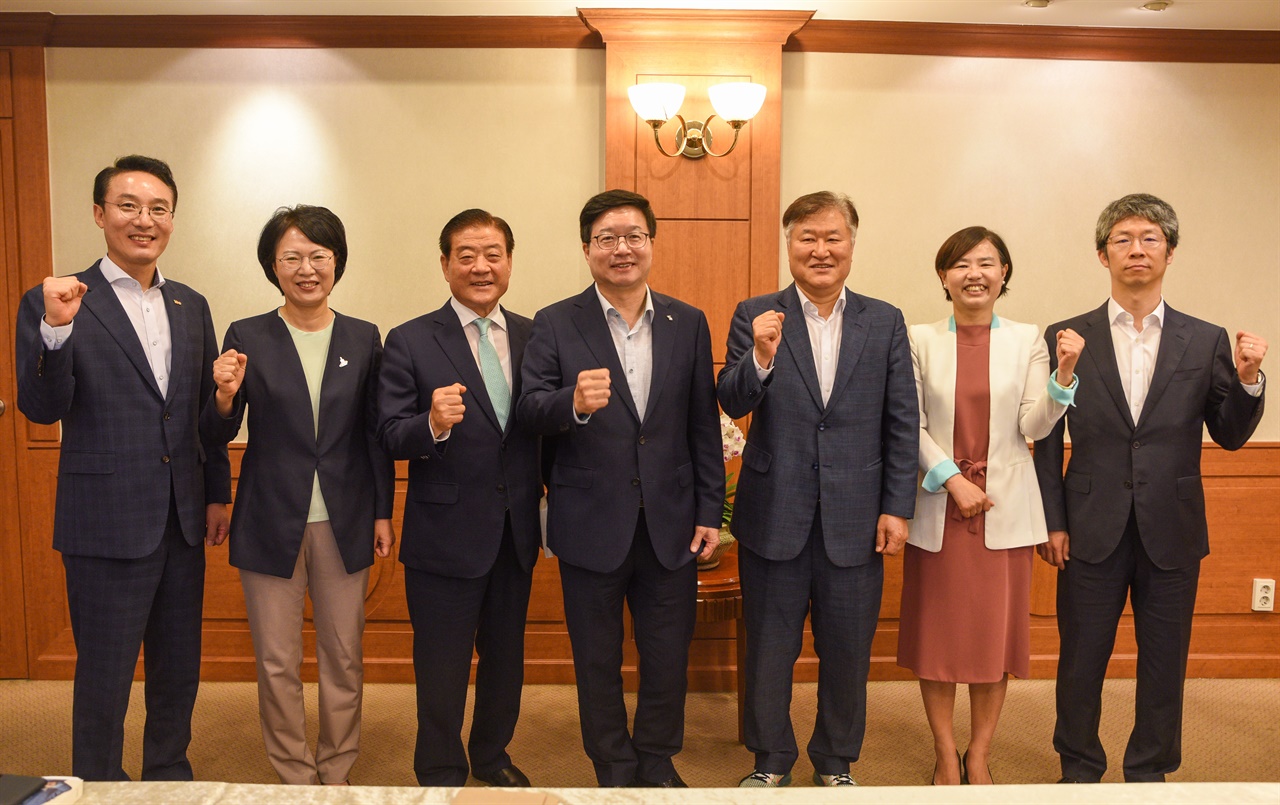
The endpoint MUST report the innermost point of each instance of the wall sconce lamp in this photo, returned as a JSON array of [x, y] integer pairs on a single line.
[[735, 102]]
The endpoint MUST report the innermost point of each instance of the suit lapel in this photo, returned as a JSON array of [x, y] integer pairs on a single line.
[[291, 364], [332, 379], [179, 338], [1102, 352], [853, 339], [517, 337], [101, 301], [453, 342], [589, 319], [795, 337], [1173, 345], [665, 325]]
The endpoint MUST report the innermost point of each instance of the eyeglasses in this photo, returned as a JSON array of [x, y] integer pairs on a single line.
[[1149, 242], [131, 210], [609, 242], [320, 261]]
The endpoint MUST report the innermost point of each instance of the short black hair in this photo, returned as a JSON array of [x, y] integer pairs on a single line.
[[965, 241], [601, 203], [320, 226], [469, 218], [134, 162]]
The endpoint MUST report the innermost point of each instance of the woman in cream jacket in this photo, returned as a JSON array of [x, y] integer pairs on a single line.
[[984, 390]]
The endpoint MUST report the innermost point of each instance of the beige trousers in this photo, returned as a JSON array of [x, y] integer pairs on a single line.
[[275, 608]]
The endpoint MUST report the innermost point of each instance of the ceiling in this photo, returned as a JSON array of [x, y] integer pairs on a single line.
[[1204, 14]]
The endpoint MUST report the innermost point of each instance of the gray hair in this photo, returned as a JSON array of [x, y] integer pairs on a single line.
[[1137, 205], [814, 203]]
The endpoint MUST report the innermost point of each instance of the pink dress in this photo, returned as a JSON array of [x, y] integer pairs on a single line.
[[966, 609]]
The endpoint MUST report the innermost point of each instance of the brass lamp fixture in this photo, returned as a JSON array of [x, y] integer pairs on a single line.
[[735, 102]]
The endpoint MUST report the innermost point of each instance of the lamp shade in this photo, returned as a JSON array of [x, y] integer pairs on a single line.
[[656, 101], [737, 100]]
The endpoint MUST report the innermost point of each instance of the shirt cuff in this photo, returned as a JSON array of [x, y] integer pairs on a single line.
[[1066, 395], [1254, 389], [55, 337], [939, 475], [762, 373], [581, 419]]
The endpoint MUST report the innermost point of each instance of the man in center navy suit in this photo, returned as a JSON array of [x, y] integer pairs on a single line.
[[618, 379], [471, 534], [827, 486]]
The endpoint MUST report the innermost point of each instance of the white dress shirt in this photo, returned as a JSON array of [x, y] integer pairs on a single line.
[[1136, 351], [634, 346], [824, 339], [497, 334], [147, 313]]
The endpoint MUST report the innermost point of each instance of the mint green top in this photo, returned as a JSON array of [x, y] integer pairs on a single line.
[[313, 351]]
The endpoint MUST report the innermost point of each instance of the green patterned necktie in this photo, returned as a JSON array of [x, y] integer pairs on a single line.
[[495, 382]]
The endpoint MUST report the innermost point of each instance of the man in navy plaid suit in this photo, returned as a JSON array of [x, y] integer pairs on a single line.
[[123, 358]]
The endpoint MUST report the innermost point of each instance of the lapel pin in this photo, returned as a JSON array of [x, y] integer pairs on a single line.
[[178, 302], [669, 317], [342, 361]]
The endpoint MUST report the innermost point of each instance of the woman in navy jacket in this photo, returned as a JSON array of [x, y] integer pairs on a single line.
[[313, 503]]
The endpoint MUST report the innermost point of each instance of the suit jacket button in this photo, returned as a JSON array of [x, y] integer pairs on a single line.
[[815, 465], [502, 487], [167, 416], [822, 426], [635, 481], [641, 440], [1136, 445], [1128, 484], [165, 459]]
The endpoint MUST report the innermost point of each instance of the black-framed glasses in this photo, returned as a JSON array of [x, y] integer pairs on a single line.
[[609, 241], [132, 209]]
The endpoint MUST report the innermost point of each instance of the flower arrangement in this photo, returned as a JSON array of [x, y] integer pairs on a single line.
[[732, 441]]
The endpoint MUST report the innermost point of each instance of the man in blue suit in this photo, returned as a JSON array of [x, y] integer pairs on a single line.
[[1127, 519], [618, 380], [827, 486], [123, 357], [471, 533]]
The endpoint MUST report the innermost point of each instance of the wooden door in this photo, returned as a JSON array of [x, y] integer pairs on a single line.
[[13, 634]]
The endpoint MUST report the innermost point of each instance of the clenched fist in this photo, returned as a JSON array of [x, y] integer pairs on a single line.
[[766, 330], [592, 392], [62, 297], [228, 373], [1070, 345], [447, 408], [1250, 349]]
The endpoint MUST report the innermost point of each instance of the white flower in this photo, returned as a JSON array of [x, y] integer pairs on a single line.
[[731, 439]]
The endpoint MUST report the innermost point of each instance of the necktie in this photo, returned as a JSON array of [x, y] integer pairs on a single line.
[[495, 382]]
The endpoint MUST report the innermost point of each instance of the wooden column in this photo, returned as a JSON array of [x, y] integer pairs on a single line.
[[718, 218]]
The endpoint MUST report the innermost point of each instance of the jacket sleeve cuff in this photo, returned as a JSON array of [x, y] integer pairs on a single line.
[[936, 477], [1060, 394]]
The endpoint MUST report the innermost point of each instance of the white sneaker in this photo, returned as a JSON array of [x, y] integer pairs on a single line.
[[833, 779], [763, 779]]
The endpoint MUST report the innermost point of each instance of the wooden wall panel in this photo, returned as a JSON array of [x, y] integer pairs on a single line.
[[707, 264], [706, 188]]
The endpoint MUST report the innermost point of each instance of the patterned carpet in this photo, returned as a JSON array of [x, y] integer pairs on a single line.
[[1231, 734]]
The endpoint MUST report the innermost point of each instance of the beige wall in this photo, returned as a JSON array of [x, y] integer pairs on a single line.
[[1035, 150], [396, 141]]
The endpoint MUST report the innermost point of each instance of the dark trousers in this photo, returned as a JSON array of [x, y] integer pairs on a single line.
[[118, 606], [663, 606], [451, 616], [844, 603], [1091, 598]]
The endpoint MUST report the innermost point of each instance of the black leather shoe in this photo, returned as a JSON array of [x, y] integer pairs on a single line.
[[510, 777], [673, 781], [1069, 780]]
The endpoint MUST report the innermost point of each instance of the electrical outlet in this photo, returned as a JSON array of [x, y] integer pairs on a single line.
[[1264, 595]]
